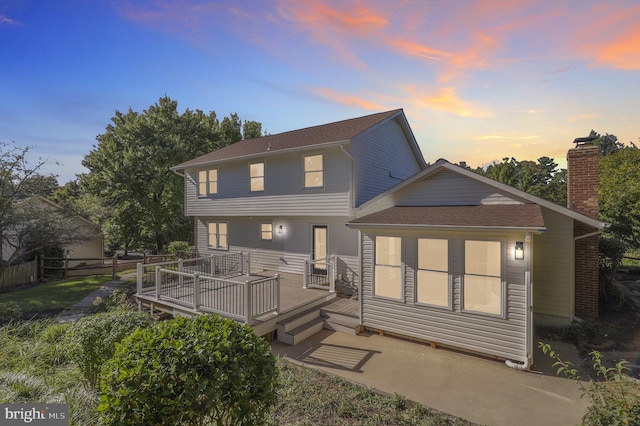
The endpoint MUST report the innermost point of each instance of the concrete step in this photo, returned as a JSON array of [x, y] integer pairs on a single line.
[[301, 333], [292, 323]]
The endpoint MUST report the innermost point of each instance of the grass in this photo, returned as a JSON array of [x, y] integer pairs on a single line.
[[35, 369], [49, 297]]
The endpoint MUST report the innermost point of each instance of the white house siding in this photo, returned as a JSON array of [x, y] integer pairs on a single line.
[[500, 337], [284, 193], [383, 158], [288, 250], [553, 271]]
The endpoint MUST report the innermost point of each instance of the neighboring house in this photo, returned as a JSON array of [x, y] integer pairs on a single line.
[[285, 198], [436, 253], [91, 239]]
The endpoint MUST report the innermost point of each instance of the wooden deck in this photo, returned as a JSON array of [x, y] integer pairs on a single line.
[[294, 299]]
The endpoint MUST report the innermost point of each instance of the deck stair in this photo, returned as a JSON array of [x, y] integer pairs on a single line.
[[335, 315]]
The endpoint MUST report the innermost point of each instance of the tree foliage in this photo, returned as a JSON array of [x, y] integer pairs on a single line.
[[28, 224], [620, 194], [208, 370], [141, 199], [541, 178]]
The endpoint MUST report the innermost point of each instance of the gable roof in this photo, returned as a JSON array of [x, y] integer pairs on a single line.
[[507, 216], [443, 164], [331, 133]]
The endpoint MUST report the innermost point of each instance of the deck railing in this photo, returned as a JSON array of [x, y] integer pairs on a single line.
[[320, 273], [227, 265], [234, 298]]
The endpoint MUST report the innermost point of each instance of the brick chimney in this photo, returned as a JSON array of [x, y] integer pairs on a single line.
[[582, 197]]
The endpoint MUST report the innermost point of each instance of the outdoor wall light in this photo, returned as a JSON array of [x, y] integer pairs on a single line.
[[280, 229], [519, 252]]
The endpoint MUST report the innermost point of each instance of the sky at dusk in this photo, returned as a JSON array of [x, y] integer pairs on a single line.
[[478, 80]]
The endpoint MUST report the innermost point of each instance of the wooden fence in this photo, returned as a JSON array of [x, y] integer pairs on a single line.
[[15, 275]]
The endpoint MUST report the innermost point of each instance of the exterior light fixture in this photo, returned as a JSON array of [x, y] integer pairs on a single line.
[[519, 251], [280, 229]]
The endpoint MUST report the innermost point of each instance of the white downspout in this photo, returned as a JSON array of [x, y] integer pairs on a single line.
[[529, 307]]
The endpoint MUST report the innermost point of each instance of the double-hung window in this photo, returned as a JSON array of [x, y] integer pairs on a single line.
[[433, 272], [313, 171], [217, 235], [266, 231], [388, 267], [207, 182], [256, 176], [483, 277]]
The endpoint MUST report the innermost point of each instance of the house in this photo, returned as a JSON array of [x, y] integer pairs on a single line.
[[286, 198], [454, 258], [436, 253], [85, 239]]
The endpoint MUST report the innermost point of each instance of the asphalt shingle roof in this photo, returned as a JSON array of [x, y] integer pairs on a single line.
[[501, 216], [326, 133]]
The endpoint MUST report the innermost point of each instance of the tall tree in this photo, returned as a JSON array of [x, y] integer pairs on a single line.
[[620, 194], [28, 224], [129, 170], [608, 144]]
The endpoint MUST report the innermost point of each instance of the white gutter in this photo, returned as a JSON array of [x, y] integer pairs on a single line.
[[447, 227]]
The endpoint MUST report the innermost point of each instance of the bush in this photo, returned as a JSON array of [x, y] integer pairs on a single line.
[[180, 249], [188, 371], [92, 340], [614, 396]]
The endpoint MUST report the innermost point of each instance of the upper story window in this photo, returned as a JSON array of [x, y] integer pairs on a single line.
[[266, 231], [482, 291], [433, 272], [388, 268], [207, 182], [313, 171], [217, 235], [256, 176]]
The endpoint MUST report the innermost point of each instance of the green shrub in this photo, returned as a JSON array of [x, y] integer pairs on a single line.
[[9, 311], [190, 371], [614, 396], [92, 340], [180, 249]]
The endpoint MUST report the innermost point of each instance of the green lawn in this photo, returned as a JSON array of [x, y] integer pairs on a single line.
[[51, 296]]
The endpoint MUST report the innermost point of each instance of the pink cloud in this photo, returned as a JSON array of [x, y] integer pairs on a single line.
[[348, 99]]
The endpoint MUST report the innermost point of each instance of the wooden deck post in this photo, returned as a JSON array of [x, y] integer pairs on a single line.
[[139, 278], [158, 282], [305, 274], [277, 294], [247, 302], [196, 290]]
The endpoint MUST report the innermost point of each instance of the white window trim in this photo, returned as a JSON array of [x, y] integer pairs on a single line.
[[262, 232], [402, 268], [264, 180], [503, 283], [305, 171], [207, 182], [218, 246], [449, 307]]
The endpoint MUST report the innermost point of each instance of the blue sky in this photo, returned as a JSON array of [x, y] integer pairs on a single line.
[[478, 80]]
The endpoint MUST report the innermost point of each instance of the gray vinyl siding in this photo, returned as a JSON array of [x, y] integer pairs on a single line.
[[287, 251], [503, 337], [383, 158], [284, 192], [446, 188], [553, 286]]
